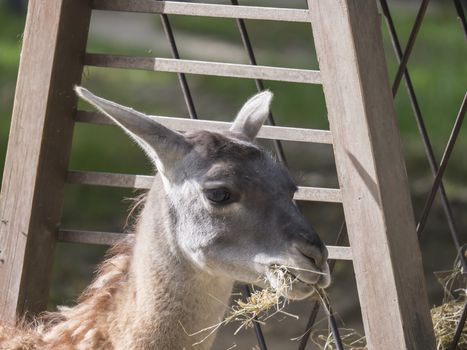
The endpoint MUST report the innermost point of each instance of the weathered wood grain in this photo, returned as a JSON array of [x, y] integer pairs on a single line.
[[205, 10], [38, 149], [304, 193], [184, 124], [92, 237], [372, 175], [110, 238], [232, 70]]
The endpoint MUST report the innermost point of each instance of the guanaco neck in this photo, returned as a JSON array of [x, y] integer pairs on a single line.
[[168, 296]]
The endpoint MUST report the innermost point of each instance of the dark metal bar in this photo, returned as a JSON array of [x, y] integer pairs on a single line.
[[309, 325], [410, 44], [427, 144], [193, 115], [460, 326], [257, 326], [429, 149], [334, 329], [459, 329], [421, 127], [442, 167], [181, 76], [259, 83], [341, 236], [277, 144], [461, 15]]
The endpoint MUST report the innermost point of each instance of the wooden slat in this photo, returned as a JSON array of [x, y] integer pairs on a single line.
[[38, 150], [205, 10], [318, 194], [204, 68], [185, 124], [372, 175], [315, 194], [110, 238], [110, 179], [91, 237], [339, 253]]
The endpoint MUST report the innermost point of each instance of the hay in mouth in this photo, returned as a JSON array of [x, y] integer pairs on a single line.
[[262, 304]]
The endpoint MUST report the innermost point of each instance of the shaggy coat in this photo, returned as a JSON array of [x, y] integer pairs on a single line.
[[84, 326], [220, 209]]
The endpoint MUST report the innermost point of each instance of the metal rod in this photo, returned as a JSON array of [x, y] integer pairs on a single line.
[[257, 326], [428, 147], [193, 115], [459, 329], [442, 167], [461, 15], [181, 76], [314, 311], [409, 47], [334, 329], [258, 82], [422, 127], [309, 325], [277, 144]]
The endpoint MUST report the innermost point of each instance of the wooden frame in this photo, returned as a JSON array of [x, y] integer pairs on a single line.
[[371, 171], [304, 193], [38, 150], [205, 10], [372, 175]]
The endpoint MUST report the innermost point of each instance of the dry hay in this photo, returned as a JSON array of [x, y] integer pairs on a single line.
[[445, 320], [446, 316], [257, 308], [351, 339], [261, 305]]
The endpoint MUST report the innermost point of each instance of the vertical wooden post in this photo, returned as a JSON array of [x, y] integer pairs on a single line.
[[38, 150], [372, 175]]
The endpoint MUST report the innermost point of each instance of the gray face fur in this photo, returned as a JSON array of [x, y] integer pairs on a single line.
[[232, 202]]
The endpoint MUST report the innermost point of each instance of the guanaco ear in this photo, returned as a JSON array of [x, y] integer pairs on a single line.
[[252, 115], [162, 145]]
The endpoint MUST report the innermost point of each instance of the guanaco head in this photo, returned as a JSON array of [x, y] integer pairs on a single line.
[[234, 214]]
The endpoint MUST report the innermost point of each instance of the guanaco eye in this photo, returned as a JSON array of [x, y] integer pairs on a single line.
[[218, 195]]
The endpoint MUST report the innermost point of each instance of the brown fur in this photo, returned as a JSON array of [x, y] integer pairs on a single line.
[[84, 326], [20, 337], [179, 272]]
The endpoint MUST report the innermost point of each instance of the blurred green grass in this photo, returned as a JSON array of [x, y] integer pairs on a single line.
[[438, 68]]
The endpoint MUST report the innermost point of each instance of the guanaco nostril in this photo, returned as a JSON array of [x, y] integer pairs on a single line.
[[316, 255], [311, 246]]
